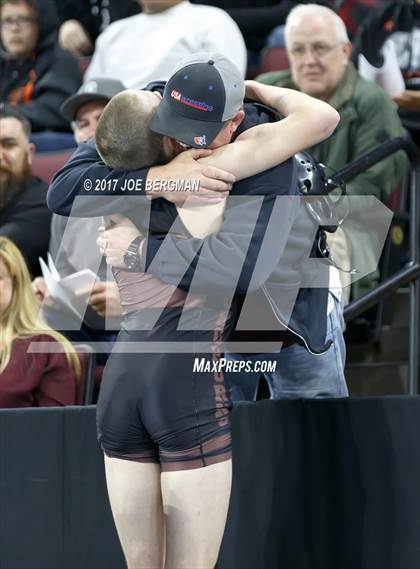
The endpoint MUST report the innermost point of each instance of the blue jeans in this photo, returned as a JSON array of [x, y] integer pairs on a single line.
[[299, 374]]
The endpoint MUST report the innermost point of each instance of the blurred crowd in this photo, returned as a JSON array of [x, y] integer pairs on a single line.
[[60, 64]]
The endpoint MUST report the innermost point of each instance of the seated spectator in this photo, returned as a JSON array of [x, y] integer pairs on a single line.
[[82, 22], [147, 47], [24, 215], [42, 378], [36, 75], [84, 109], [319, 51], [395, 29], [72, 244]]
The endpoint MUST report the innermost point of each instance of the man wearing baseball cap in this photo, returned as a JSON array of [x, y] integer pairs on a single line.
[[84, 108], [199, 98], [71, 240], [201, 107]]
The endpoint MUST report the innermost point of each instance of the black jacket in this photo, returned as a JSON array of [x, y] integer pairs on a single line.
[[276, 276], [26, 221], [263, 247], [39, 84], [95, 14]]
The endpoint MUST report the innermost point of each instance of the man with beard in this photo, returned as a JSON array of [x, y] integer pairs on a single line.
[[24, 216]]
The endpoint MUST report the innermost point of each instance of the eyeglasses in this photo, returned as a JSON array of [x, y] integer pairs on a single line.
[[320, 50], [20, 22]]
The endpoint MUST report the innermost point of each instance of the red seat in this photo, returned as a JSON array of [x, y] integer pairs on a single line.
[[274, 59], [46, 164], [84, 63]]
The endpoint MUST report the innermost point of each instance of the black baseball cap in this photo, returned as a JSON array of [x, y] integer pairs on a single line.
[[93, 90], [205, 91]]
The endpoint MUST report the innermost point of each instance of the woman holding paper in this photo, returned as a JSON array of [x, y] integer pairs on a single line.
[[30, 377]]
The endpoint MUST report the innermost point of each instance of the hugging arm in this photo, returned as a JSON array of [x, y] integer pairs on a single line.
[[232, 251], [100, 189], [307, 121], [78, 179], [239, 239]]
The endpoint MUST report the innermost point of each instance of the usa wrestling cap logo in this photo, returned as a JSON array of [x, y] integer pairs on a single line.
[[200, 105]]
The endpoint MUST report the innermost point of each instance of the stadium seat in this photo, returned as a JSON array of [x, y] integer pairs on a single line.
[[276, 37], [83, 64], [274, 59], [85, 387], [48, 141], [46, 164]]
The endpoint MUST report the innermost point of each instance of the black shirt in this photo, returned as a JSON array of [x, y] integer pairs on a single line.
[[26, 221]]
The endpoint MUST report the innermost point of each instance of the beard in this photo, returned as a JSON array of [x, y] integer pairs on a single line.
[[13, 184]]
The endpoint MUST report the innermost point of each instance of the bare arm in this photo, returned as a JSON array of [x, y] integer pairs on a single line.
[[307, 121]]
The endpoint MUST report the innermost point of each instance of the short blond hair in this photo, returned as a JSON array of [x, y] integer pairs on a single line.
[[123, 137]]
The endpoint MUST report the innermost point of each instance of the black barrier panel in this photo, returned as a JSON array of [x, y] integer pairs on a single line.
[[325, 484], [266, 510], [54, 509], [318, 484]]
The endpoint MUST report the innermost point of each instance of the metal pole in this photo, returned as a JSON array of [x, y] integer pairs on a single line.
[[410, 275], [382, 291], [413, 362], [374, 156]]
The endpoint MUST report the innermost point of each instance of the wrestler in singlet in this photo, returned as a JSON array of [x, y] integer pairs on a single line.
[[153, 406]]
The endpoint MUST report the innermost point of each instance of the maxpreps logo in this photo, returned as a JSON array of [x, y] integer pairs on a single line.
[[200, 105]]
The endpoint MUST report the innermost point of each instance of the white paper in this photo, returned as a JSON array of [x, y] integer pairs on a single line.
[[82, 280], [53, 268], [64, 290]]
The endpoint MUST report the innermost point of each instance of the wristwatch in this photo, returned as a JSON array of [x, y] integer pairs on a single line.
[[132, 259]]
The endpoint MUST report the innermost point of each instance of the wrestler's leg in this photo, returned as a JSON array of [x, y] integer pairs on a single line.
[[136, 503], [195, 503]]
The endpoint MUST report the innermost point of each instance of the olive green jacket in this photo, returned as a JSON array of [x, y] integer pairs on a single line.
[[368, 117]]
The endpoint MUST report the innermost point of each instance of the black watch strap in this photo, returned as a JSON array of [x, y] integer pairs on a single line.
[[132, 259]]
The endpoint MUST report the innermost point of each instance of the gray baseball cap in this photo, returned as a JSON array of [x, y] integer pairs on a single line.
[[93, 90], [204, 92]]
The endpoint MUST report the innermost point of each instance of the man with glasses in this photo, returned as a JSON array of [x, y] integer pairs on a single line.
[[72, 244], [319, 50], [36, 75]]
